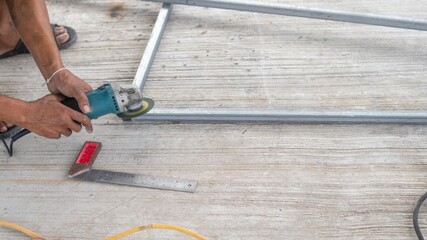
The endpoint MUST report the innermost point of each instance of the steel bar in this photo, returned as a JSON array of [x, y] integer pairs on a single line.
[[138, 180], [280, 9], [285, 116], [152, 45]]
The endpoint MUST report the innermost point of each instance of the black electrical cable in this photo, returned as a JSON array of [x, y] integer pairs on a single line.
[[6, 146], [13, 139], [415, 217]]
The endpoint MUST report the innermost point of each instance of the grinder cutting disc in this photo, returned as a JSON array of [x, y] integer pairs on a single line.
[[147, 105]]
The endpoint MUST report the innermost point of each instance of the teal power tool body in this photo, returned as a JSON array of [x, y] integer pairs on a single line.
[[102, 101], [125, 101]]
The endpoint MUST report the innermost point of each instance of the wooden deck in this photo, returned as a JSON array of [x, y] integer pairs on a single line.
[[255, 181]]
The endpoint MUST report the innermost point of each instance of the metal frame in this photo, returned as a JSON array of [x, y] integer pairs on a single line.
[[266, 115], [152, 46], [280, 9]]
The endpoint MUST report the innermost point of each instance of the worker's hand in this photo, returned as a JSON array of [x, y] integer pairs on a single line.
[[68, 84], [48, 117]]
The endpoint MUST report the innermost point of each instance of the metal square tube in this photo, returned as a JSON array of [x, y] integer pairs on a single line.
[[152, 45], [284, 116], [280, 9]]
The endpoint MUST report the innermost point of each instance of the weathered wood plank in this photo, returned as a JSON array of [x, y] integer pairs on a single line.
[[255, 181]]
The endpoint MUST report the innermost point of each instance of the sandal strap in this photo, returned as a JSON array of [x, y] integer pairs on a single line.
[[19, 49]]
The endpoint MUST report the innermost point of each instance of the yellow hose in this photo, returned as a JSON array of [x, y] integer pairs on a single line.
[[115, 237], [21, 229], [158, 226]]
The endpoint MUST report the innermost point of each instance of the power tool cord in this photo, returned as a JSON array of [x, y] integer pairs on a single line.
[[23, 230], [158, 226], [193, 234], [37, 236], [415, 216], [14, 138], [7, 146]]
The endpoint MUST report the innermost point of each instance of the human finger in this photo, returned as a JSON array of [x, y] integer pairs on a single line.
[[84, 120], [83, 102], [3, 127], [66, 132], [74, 126]]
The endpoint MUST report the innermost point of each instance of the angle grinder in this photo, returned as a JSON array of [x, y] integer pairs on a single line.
[[125, 101]]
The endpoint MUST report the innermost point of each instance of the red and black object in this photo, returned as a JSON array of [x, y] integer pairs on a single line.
[[86, 158]]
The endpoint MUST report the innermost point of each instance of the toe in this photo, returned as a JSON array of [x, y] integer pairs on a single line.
[[61, 35], [9, 125], [59, 30], [62, 38]]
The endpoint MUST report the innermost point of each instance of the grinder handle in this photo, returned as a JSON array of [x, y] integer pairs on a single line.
[[71, 103]]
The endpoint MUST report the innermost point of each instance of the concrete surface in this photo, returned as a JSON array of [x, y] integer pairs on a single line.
[[255, 181]]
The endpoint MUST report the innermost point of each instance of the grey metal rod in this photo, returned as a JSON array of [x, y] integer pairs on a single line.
[[279, 9], [284, 116], [152, 45]]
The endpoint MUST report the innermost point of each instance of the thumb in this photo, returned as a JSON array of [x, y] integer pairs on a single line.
[[83, 102]]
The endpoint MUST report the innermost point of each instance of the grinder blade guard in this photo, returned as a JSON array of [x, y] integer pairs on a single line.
[[125, 101], [131, 102]]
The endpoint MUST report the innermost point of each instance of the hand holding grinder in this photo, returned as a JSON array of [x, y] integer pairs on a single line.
[[126, 101]]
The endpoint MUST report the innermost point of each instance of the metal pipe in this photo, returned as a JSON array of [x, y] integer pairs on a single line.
[[284, 116], [152, 45], [280, 9]]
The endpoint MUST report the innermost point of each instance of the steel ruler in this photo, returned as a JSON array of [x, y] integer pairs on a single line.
[[82, 170]]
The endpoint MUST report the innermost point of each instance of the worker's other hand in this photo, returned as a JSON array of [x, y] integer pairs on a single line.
[[48, 117], [71, 86]]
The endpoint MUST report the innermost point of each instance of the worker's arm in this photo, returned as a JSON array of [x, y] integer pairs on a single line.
[[31, 20], [46, 116]]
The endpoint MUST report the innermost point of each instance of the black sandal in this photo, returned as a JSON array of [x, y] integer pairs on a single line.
[[22, 49]]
